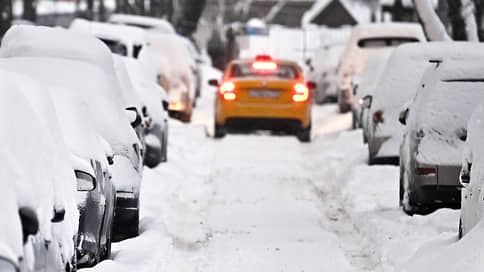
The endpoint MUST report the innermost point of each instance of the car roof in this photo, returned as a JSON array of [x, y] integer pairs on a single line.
[[156, 23]]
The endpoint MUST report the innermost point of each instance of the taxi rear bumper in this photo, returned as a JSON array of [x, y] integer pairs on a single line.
[[263, 115]]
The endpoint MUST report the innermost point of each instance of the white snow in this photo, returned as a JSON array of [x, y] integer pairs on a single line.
[[156, 24], [270, 203]]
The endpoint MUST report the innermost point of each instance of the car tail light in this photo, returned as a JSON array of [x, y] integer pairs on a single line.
[[264, 65], [301, 93], [378, 117], [227, 91], [426, 171]]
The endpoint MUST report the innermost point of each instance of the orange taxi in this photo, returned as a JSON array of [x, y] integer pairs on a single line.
[[263, 93]]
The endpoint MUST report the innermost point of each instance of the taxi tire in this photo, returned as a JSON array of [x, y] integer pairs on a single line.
[[304, 135], [219, 132]]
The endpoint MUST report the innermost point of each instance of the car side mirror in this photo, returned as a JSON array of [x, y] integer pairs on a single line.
[[312, 85], [85, 181], [213, 82], [367, 100], [30, 223], [465, 176], [59, 215], [133, 116], [402, 117]]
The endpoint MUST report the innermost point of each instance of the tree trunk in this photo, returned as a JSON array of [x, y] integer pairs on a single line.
[[433, 27], [30, 12], [398, 11], [102, 11], [6, 19], [479, 4], [156, 8], [463, 20]]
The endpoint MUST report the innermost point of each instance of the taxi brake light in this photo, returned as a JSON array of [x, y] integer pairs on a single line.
[[227, 90], [264, 65], [301, 93]]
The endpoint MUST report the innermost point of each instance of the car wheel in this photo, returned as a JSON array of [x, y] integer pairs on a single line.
[[219, 132], [400, 188], [304, 135], [408, 198], [164, 149], [186, 116]]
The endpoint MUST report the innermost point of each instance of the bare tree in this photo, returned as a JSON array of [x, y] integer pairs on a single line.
[[433, 27], [6, 15], [30, 12], [463, 20]]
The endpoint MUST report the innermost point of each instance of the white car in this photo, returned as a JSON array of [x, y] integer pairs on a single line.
[[145, 22], [471, 175], [176, 73], [365, 41], [121, 39], [436, 129], [91, 72], [398, 85], [37, 182]]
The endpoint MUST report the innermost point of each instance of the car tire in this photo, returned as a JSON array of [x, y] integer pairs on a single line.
[[164, 149], [304, 135], [219, 132], [186, 116]]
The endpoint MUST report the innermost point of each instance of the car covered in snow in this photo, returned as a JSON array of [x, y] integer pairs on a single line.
[[121, 39], [471, 175], [436, 129], [398, 86], [38, 184], [176, 72], [364, 86], [47, 52], [156, 100], [365, 41], [263, 93], [145, 22]]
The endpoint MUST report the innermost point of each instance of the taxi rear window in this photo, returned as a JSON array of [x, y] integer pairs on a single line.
[[284, 71]]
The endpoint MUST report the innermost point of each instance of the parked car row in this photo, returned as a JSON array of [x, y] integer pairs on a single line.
[[423, 111], [84, 109]]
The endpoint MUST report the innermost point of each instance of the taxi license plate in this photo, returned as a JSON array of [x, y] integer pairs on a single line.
[[264, 93]]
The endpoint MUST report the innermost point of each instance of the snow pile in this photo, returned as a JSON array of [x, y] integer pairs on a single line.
[[363, 202]]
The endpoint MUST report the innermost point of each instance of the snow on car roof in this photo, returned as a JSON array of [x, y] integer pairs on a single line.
[[40, 41], [413, 30], [406, 66], [375, 69], [130, 96], [126, 34], [178, 62], [98, 91], [160, 25]]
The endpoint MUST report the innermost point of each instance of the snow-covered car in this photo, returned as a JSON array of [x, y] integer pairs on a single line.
[[365, 41], [145, 22], [194, 53], [176, 73], [433, 143], [121, 39], [471, 175], [156, 100], [398, 85], [90, 156], [47, 52], [38, 183], [364, 87]]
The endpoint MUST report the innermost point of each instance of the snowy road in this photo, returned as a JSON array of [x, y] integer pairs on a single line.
[[270, 203]]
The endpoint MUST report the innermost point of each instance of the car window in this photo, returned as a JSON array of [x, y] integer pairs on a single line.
[[116, 47], [385, 41], [285, 71]]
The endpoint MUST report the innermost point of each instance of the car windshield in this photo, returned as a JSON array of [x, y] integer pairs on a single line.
[[379, 42], [284, 71], [116, 47]]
